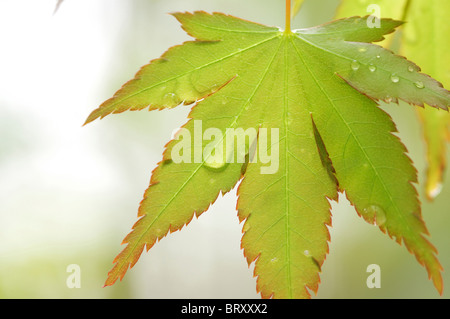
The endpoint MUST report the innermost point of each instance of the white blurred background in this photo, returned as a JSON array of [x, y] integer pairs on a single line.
[[69, 194]]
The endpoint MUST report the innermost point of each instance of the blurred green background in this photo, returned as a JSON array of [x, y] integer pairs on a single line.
[[69, 194]]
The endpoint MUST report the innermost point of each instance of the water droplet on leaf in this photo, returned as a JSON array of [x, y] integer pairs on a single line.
[[374, 214], [355, 65], [372, 68], [170, 98], [419, 84], [395, 78], [218, 161], [362, 49], [215, 164]]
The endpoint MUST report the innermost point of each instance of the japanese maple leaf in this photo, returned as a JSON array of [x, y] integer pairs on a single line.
[[311, 95]]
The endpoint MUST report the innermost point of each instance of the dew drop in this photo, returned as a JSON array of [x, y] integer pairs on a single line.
[[381, 217], [218, 161], [362, 49], [395, 78], [355, 65], [216, 165], [411, 68], [372, 68], [419, 84], [274, 260], [378, 56], [307, 253], [374, 214], [170, 98]]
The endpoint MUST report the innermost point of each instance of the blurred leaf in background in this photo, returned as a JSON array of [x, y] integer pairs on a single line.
[[296, 7]]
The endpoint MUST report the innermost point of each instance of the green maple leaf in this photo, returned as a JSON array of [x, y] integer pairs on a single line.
[[426, 26], [311, 97]]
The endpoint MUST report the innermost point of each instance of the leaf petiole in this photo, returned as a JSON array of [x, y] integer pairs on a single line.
[[288, 17]]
